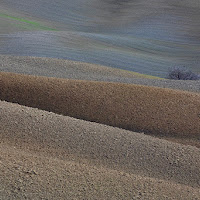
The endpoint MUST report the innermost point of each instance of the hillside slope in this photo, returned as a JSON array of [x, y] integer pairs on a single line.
[[45, 155], [157, 111]]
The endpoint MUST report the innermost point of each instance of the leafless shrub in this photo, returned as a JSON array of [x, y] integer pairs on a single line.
[[182, 73]]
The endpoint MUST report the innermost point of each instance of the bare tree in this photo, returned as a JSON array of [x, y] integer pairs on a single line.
[[182, 73]]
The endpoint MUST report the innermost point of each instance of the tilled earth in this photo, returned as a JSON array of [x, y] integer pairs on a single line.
[[44, 155], [48, 156]]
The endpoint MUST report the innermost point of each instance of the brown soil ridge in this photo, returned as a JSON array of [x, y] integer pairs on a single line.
[[61, 137], [138, 108]]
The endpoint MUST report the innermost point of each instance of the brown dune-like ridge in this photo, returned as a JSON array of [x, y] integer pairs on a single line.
[[45, 155], [138, 108]]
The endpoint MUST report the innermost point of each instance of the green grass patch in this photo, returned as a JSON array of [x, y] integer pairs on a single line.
[[28, 22]]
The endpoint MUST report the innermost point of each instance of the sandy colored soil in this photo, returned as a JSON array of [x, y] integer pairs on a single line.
[[60, 68], [48, 156], [156, 111]]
